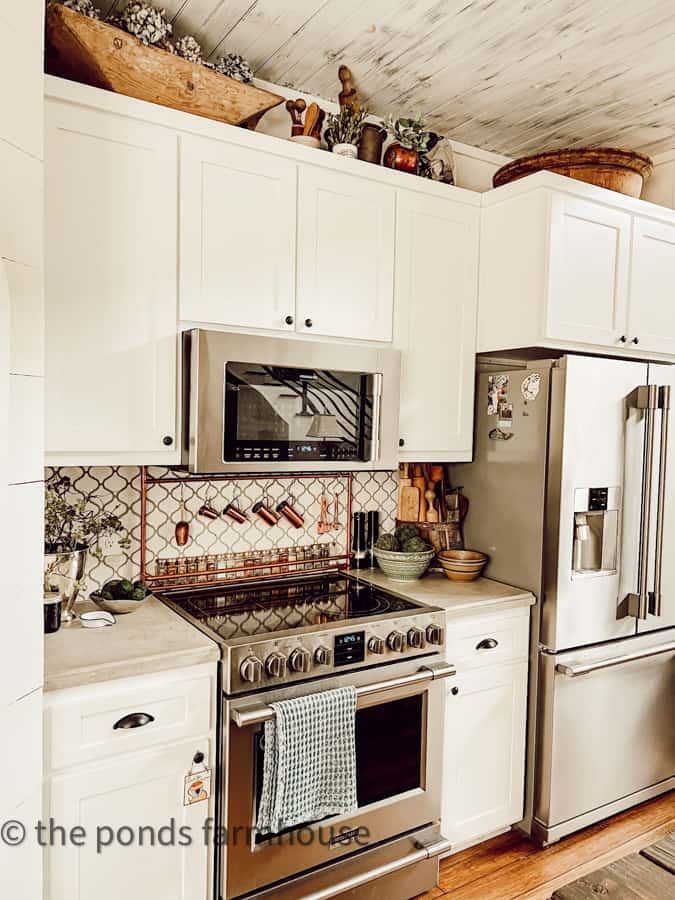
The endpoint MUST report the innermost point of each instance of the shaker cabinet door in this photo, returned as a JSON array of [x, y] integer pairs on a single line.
[[237, 236], [110, 283], [484, 758], [111, 802], [435, 325], [588, 272], [651, 312], [345, 255]]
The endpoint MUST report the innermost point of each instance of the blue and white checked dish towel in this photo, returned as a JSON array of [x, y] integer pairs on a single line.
[[309, 769]]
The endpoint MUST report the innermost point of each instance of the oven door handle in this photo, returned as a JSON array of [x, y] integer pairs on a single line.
[[420, 852], [261, 712]]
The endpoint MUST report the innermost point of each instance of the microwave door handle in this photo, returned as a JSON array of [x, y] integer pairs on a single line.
[[377, 417], [645, 397], [261, 712], [664, 404]]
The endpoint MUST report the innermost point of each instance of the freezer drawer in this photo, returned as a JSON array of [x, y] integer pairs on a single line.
[[607, 718]]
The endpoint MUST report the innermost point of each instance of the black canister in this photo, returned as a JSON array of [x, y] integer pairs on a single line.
[[372, 534], [51, 611], [360, 555]]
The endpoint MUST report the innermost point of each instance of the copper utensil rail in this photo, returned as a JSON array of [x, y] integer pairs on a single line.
[[206, 576]]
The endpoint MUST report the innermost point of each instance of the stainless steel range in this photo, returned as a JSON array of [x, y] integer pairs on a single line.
[[297, 636]]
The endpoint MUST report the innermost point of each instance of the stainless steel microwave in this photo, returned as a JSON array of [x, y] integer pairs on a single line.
[[263, 404]]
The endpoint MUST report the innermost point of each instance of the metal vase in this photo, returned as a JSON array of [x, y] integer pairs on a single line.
[[64, 573]]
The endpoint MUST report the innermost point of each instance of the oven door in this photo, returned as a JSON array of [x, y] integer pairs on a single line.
[[399, 740]]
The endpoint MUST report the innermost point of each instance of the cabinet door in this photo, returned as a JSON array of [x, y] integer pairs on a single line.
[[651, 311], [484, 759], [111, 311], [435, 325], [237, 235], [588, 272], [345, 255], [112, 802]]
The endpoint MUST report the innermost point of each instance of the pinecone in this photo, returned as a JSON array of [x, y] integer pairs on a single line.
[[234, 66], [84, 7], [146, 22], [189, 48]]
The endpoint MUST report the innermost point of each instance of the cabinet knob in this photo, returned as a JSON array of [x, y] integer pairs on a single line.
[[308, 323], [635, 340], [623, 339], [289, 320], [167, 440], [401, 442], [454, 691]]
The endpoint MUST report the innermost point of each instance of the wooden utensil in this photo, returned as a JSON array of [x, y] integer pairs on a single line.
[[182, 530], [311, 117], [318, 127], [295, 110], [420, 484], [348, 96], [430, 496]]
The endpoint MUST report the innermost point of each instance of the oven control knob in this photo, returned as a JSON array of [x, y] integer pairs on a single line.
[[300, 660], [251, 669], [275, 665], [323, 656], [396, 641], [435, 634], [376, 645], [416, 639]]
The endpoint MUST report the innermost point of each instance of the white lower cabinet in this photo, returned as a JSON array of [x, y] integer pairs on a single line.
[[141, 842], [137, 840], [484, 758]]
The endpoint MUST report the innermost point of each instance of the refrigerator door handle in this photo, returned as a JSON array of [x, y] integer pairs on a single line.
[[664, 404], [645, 397], [573, 670]]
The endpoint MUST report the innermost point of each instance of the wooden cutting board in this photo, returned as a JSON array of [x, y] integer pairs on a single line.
[[409, 504]]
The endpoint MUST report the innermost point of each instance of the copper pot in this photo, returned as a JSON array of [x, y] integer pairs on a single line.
[[401, 158]]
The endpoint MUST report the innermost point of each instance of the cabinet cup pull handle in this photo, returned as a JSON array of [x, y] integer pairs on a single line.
[[487, 644], [134, 720]]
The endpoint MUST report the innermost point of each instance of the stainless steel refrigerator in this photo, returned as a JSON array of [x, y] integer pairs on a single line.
[[572, 494]]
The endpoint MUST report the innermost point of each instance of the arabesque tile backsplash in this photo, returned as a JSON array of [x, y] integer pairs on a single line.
[[117, 488]]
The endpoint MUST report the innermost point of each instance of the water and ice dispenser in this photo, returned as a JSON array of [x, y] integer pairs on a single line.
[[596, 531]]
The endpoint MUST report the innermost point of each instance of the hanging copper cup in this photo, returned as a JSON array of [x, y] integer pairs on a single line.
[[206, 510], [234, 512], [264, 510], [289, 512]]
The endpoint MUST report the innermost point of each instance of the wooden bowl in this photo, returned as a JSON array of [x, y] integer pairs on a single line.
[[618, 170], [462, 556]]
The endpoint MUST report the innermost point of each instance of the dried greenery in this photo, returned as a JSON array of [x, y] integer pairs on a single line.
[[74, 521], [409, 133], [344, 127]]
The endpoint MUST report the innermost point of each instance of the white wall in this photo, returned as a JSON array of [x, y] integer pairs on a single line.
[[474, 168], [21, 444], [660, 186]]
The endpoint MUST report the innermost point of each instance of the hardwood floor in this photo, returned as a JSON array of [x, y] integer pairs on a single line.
[[510, 867]]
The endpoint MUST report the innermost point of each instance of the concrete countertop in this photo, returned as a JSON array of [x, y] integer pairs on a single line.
[[152, 639], [434, 589]]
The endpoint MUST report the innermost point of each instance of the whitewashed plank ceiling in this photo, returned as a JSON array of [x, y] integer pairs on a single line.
[[512, 76]]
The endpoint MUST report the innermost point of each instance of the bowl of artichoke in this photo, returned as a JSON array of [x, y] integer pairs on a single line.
[[121, 596], [403, 555]]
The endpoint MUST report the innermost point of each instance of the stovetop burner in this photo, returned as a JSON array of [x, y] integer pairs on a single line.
[[268, 607]]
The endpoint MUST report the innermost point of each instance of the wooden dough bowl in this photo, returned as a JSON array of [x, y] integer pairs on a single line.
[[619, 170], [104, 56]]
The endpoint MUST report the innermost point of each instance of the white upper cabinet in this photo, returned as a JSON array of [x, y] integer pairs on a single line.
[[651, 311], [436, 295], [237, 235], [572, 266], [110, 277], [346, 239], [588, 271]]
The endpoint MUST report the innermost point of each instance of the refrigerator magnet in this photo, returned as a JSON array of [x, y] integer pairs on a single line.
[[530, 386]]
